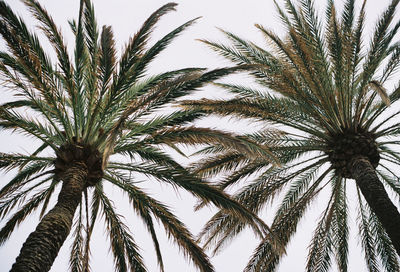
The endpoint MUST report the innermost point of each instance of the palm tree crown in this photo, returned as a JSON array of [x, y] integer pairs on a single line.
[[84, 110], [328, 102]]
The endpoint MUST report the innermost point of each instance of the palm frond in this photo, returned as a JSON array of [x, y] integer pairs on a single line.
[[367, 239], [384, 247], [23, 212], [123, 246], [76, 255], [195, 136], [381, 91], [321, 247], [136, 45], [340, 228], [175, 229], [222, 227], [54, 36], [284, 225], [136, 69], [220, 163]]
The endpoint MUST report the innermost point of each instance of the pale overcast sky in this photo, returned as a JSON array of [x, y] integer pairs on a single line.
[[126, 16]]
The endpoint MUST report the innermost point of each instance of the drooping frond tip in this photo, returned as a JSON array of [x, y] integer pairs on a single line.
[[376, 86]]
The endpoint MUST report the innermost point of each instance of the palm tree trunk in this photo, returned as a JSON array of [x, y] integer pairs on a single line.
[[42, 246], [377, 198]]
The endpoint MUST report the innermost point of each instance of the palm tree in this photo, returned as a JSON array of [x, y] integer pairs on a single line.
[[85, 110], [329, 123]]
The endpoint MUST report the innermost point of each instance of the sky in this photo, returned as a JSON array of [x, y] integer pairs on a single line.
[[126, 16]]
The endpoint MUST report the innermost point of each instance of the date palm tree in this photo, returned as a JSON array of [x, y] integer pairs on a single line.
[[88, 112], [329, 121]]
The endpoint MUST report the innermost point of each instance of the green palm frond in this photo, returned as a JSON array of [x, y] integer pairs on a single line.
[[136, 46], [319, 258], [12, 200], [31, 205], [340, 229], [145, 206], [285, 224], [224, 162], [75, 262], [54, 36], [255, 196], [367, 237], [193, 136], [10, 161], [123, 246]]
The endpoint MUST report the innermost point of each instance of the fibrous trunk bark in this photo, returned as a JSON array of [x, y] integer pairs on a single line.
[[377, 198], [41, 247]]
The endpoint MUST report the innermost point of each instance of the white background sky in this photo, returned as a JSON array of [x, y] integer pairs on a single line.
[[126, 16]]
